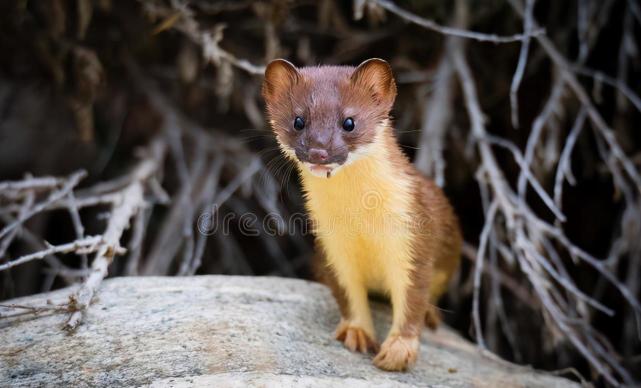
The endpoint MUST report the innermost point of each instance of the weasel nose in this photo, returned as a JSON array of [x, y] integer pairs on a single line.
[[317, 155]]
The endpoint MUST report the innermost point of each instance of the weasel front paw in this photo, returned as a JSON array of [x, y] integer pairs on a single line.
[[355, 339], [397, 353]]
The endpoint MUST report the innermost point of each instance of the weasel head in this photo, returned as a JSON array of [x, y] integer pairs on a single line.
[[325, 117]]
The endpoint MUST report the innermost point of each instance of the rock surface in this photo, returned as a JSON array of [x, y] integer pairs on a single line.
[[220, 331]]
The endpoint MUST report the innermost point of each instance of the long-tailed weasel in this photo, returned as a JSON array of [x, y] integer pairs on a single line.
[[380, 226]]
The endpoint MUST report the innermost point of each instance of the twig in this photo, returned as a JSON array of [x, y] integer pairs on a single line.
[[535, 134], [70, 183], [527, 174], [77, 224], [432, 25], [135, 244], [520, 67], [600, 76], [166, 244], [38, 183], [186, 23], [478, 269], [191, 265], [80, 202], [4, 243], [28, 237], [30, 310], [436, 117], [564, 168], [85, 245]]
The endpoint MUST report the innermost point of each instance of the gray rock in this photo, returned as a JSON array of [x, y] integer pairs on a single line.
[[224, 331]]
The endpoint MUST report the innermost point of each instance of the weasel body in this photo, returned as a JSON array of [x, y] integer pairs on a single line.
[[380, 225]]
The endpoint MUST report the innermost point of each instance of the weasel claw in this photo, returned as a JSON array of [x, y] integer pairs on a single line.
[[355, 339]]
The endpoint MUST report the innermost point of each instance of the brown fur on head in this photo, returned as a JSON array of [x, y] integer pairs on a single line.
[[324, 98]]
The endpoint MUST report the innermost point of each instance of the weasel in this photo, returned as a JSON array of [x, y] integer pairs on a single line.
[[380, 226]]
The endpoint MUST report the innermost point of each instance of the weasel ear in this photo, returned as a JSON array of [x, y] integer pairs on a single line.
[[376, 76], [280, 76]]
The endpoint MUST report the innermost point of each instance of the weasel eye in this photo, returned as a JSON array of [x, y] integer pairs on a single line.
[[348, 124], [299, 123]]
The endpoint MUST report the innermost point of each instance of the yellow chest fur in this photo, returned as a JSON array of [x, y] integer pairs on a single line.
[[362, 218]]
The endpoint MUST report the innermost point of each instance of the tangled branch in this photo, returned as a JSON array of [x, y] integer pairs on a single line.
[[131, 202]]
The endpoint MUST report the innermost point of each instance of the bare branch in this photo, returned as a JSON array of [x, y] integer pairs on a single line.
[[520, 67], [135, 245], [70, 183], [82, 246], [564, 169], [436, 117], [478, 269], [4, 243], [431, 25], [537, 129], [618, 84], [130, 203], [38, 183], [514, 210], [605, 131], [77, 224], [209, 41]]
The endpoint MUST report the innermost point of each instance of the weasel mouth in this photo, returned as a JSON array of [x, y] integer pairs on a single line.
[[322, 170]]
